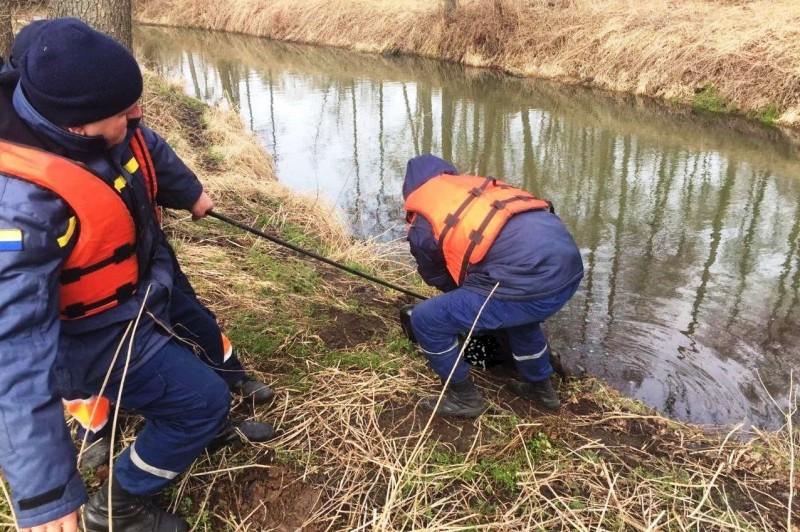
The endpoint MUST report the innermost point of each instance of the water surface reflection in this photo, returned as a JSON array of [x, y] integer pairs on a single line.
[[689, 230]]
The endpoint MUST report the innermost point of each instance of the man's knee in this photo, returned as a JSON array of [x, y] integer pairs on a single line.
[[212, 408], [425, 316]]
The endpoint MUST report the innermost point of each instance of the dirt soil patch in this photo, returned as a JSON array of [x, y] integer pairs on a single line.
[[277, 499], [344, 329], [399, 420]]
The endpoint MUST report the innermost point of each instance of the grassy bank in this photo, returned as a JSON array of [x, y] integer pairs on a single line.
[[355, 452], [717, 56]]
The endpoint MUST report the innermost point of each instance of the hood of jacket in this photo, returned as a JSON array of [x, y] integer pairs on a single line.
[[421, 169]]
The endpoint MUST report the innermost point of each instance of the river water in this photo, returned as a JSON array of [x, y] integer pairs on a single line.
[[689, 227]]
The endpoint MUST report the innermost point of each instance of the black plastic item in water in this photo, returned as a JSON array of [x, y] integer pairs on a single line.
[[313, 255]]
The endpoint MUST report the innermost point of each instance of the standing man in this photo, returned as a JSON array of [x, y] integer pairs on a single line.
[[81, 256], [476, 238]]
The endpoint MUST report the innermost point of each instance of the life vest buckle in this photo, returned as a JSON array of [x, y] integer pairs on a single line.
[[125, 292], [76, 310], [476, 236]]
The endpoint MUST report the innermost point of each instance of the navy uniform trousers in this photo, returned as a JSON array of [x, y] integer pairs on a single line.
[[183, 393], [438, 322]]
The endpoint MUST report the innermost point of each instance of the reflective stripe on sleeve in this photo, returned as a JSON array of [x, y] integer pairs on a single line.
[[119, 183], [64, 239], [131, 166]]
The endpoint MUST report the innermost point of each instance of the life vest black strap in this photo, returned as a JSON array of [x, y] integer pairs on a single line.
[[452, 219], [72, 275], [476, 236], [76, 310]]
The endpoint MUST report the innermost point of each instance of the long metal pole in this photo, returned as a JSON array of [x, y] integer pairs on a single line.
[[313, 255]]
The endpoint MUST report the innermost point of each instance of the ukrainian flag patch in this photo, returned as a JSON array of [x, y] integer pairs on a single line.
[[10, 239]]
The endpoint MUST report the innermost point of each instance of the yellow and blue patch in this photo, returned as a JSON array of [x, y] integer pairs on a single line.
[[10, 240]]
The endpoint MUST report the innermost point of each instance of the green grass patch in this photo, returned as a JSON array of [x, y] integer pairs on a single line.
[[288, 275], [769, 115], [261, 337], [502, 424], [376, 361], [708, 99], [287, 230], [400, 346], [540, 448], [504, 471], [296, 380], [301, 237]]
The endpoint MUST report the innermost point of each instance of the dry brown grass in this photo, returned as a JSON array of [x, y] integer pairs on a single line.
[[748, 51], [346, 460]]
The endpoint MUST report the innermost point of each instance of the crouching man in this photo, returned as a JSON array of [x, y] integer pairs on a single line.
[[472, 235], [82, 257]]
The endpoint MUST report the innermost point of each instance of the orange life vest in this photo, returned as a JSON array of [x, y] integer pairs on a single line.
[[102, 269], [467, 213]]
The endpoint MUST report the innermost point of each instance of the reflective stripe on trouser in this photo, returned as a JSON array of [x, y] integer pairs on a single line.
[[441, 362], [530, 351], [184, 404], [438, 321]]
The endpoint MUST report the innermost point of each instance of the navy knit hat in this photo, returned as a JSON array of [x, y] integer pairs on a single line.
[[74, 75], [23, 41]]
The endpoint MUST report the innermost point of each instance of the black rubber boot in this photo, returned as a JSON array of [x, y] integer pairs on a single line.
[[231, 432], [255, 431], [130, 513], [540, 392], [461, 399], [253, 390]]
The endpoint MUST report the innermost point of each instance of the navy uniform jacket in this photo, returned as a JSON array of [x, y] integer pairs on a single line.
[[43, 358], [534, 256]]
